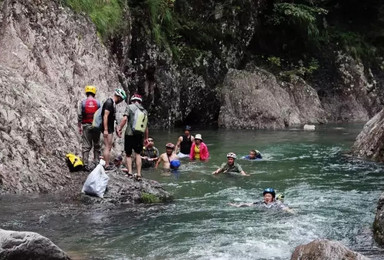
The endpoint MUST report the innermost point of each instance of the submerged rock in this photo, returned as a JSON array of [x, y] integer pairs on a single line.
[[28, 245], [369, 143], [378, 224], [325, 250], [255, 100]]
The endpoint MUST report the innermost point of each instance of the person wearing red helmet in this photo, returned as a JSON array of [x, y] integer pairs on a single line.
[[135, 133], [169, 158]]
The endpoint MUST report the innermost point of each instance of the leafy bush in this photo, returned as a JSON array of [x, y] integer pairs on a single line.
[[107, 15], [149, 198]]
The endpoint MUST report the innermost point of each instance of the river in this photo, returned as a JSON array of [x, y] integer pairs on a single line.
[[334, 197]]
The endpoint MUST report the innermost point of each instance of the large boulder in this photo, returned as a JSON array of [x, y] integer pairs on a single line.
[[16, 245], [255, 100], [369, 143], [48, 55], [124, 190], [378, 224], [325, 250]]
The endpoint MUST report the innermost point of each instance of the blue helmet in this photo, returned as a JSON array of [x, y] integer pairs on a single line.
[[187, 128], [175, 164], [271, 191]]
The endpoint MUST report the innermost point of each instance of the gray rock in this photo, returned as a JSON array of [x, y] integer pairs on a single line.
[[124, 190], [325, 250], [378, 224], [255, 100], [369, 143], [28, 245]]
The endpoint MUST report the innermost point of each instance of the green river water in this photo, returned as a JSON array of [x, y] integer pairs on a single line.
[[334, 197]]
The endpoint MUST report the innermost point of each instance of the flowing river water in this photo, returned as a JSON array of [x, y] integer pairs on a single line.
[[334, 197]]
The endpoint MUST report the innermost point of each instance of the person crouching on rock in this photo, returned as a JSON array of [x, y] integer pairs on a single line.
[[169, 158], [230, 166], [199, 150], [269, 201]]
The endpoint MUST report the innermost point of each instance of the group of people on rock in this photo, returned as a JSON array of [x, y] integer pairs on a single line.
[[136, 134]]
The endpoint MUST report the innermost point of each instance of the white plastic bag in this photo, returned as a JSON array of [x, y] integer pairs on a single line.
[[97, 181]]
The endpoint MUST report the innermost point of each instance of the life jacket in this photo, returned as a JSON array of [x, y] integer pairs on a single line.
[[89, 107], [74, 162]]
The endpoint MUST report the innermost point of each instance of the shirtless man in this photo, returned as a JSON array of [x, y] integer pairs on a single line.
[[169, 158]]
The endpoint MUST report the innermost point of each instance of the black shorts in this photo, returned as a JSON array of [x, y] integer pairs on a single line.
[[133, 142]]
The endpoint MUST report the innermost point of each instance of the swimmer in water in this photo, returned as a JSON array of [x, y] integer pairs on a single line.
[[230, 166], [169, 158]]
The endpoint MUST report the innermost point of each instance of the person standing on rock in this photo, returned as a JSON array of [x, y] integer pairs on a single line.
[[184, 143], [90, 137], [136, 132], [108, 114]]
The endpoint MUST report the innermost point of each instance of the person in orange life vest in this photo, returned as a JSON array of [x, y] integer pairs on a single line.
[[90, 137], [199, 150]]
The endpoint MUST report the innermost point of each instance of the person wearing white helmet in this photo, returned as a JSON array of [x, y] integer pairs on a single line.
[[230, 166], [108, 114], [90, 137], [135, 133]]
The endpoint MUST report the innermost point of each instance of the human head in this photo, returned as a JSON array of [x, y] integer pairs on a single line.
[[120, 94], [118, 160], [253, 154], [151, 141], [136, 98], [269, 195], [231, 158], [90, 90], [169, 147], [198, 139], [187, 130]]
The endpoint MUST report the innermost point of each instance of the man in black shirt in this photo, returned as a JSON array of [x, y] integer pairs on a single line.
[[184, 143], [108, 114]]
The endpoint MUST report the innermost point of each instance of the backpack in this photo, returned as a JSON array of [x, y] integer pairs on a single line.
[[89, 107], [140, 121], [97, 119], [74, 162]]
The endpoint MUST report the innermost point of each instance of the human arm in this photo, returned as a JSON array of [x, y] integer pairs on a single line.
[[192, 152], [146, 134], [218, 171], [240, 205], [204, 154], [158, 162], [244, 173], [79, 117], [121, 125], [179, 140]]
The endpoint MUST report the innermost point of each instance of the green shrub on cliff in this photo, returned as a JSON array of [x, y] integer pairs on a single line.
[[107, 15]]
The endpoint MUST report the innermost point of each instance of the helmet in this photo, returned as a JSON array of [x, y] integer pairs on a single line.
[[90, 89], [271, 191], [120, 93], [136, 97], [170, 145], [187, 128], [231, 155], [175, 164]]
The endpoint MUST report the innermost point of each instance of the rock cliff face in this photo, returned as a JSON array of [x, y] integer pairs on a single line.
[[47, 56], [256, 100], [369, 143]]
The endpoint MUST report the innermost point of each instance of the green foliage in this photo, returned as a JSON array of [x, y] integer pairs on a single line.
[[107, 15], [274, 61], [300, 70], [299, 16], [149, 198]]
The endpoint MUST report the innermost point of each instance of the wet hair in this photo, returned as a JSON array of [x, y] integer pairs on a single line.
[[253, 151]]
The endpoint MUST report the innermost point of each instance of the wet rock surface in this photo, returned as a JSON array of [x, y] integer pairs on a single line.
[[122, 189], [28, 245], [325, 250], [378, 224], [255, 100], [369, 143]]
